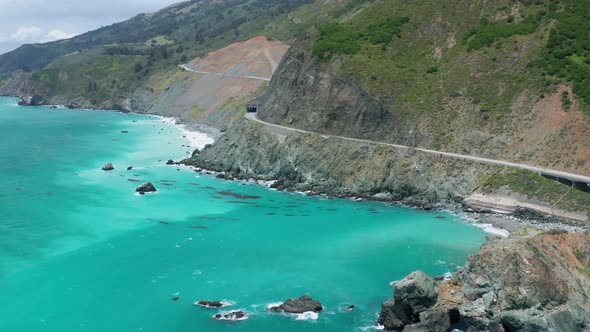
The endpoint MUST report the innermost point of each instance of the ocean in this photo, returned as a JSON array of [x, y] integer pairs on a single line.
[[81, 251]]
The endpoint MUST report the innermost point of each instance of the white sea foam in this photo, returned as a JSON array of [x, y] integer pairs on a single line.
[[373, 327], [196, 138], [394, 282], [489, 228], [308, 315], [273, 304]]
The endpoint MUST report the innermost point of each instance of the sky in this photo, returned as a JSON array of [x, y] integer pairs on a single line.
[[35, 21]]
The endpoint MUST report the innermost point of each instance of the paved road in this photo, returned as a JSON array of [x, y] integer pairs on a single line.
[[282, 130], [223, 75]]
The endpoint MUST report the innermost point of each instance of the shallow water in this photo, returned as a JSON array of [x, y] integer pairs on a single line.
[[80, 251]]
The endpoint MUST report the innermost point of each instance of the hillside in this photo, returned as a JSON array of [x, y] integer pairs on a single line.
[[119, 66], [443, 80], [227, 75], [497, 79]]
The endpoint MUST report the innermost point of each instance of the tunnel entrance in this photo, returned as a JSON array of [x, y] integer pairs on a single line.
[[582, 186], [253, 105]]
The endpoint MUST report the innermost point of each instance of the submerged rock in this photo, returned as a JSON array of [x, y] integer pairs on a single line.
[[108, 167], [298, 306], [231, 315], [146, 188]]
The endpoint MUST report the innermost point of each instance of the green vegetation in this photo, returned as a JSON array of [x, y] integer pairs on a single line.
[[340, 38], [537, 187], [565, 100], [195, 24], [567, 55], [488, 32]]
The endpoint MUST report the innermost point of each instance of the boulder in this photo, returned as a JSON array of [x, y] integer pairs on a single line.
[[413, 295], [523, 320], [390, 316], [170, 162], [146, 188], [108, 167], [418, 290], [129, 168], [231, 315], [432, 320], [298, 306]]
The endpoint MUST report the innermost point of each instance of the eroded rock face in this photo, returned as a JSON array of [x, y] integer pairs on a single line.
[[146, 188], [413, 295], [523, 283], [34, 100], [298, 306], [432, 320]]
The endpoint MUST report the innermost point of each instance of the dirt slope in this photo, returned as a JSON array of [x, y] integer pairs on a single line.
[[257, 57]]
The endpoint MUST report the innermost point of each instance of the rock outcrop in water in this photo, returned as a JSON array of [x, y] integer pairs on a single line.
[[298, 306], [413, 296], [211, 304], [231, 315], [526, 283], [108, 167], [34, 100], [146, 188]]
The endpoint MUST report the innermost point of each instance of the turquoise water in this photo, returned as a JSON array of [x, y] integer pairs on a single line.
[[80, 251]]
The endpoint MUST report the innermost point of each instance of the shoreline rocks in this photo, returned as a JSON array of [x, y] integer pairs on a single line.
[[529, 282], [413, 297]]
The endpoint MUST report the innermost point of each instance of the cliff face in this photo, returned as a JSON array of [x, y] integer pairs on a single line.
[[525, 283], [308, 94], [309, 162]]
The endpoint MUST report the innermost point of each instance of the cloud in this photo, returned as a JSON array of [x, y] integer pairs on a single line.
[[26, 34], [35, 21], [59, 34]]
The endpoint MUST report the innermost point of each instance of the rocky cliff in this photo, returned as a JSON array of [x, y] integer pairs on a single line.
[[525, 283], [308, 162]]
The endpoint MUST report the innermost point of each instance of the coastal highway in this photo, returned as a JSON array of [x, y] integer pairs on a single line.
[[223, 75], [283, 130]]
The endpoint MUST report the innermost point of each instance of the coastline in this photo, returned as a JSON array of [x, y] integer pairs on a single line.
[[200, 135], [496, 224]]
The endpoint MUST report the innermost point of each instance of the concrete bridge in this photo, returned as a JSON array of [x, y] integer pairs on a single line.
[[580, 182]]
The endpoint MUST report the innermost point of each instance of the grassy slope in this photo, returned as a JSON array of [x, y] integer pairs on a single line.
[[471, 65], [540, 188], [188, 30]]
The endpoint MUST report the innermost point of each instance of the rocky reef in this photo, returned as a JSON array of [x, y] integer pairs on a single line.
[[305, 303], [529, 282]]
